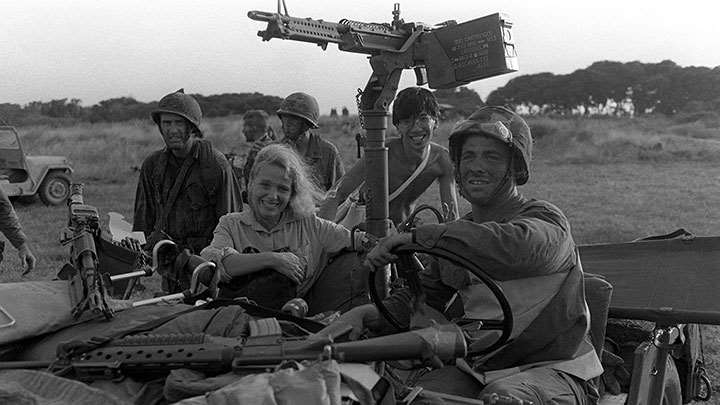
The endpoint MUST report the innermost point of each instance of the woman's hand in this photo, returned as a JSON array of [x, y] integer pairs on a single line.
[[381, 254], [290, 265]]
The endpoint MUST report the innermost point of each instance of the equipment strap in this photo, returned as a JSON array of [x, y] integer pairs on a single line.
[[174, 192], [412, 177], [407, 181]]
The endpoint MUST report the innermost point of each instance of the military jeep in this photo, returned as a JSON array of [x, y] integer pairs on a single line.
[[23, 175]]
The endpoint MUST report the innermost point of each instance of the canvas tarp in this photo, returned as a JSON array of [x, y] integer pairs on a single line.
[[673, 280]]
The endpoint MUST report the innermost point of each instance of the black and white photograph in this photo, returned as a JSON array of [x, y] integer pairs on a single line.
[[380, 202]]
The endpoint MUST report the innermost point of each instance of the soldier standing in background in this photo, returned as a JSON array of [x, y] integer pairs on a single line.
[[258, 133], [184, 188], [299, 113], [10, 227]]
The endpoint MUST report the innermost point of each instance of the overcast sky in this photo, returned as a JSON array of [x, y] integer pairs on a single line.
[[95, 50]]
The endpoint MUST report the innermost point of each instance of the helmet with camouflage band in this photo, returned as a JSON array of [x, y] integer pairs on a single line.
[[502, 124], [301, 105], [181, 104]]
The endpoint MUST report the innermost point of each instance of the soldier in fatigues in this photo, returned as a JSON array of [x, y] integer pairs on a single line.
[[185, 188], [10, 227], [299, 113], [523, 243], [258, 133]]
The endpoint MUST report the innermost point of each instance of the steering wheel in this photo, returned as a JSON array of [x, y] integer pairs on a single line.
[[505, 324]]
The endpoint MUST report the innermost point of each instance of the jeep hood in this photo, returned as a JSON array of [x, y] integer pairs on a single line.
[[53, 161]]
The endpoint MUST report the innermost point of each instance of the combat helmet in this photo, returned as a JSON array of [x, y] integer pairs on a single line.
[[181, 104], [500, 123], [301, 105]]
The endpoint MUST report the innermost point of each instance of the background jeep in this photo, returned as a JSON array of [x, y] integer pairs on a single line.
[[21, 175]]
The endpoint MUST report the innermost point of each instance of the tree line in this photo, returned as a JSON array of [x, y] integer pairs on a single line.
[[661, 87], [461, 100], [127, 108]]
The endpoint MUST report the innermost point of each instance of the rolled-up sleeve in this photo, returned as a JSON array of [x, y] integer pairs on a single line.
[[222, 244], [334, 237], [222, 238]]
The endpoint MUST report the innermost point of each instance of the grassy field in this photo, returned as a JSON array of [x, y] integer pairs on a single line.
[[617, 180]]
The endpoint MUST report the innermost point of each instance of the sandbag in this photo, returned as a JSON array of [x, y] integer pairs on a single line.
[[37, 387], [319, 383]]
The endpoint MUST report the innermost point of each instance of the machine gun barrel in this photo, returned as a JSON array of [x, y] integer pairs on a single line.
[[297, 29], [351, 36]]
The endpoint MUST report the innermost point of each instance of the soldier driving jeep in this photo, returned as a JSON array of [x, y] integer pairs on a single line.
[[525, 244]]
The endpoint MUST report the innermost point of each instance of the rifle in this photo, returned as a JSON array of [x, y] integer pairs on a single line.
[[150, 355], [88, 289], [447, 56]]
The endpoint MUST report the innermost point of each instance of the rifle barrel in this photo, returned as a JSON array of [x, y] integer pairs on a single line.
[[32, 364]]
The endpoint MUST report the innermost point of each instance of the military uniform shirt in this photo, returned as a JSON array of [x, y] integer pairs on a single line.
[[529, 250], [321, 155], [324, 159], [209, 191]]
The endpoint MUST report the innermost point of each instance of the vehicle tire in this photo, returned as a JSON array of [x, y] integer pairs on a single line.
[[55, 188]]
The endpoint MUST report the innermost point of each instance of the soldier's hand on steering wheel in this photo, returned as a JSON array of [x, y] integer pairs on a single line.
[[382, 254]]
